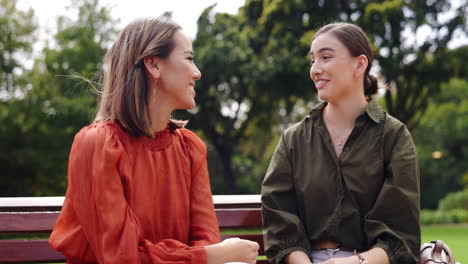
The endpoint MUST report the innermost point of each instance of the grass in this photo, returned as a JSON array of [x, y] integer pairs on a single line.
[[455, 236]]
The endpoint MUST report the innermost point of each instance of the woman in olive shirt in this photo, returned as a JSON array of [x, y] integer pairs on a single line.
[[343, 184]]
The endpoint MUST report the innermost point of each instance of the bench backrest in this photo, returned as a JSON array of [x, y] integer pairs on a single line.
[[238, 215]]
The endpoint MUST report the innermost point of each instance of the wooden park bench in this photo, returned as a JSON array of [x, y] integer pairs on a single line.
[[34, 218]]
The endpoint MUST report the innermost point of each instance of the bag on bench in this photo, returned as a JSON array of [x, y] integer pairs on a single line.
[[436, 252]]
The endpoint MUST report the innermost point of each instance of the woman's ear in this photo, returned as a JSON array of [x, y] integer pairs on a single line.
[[151, 66], [360, 66]]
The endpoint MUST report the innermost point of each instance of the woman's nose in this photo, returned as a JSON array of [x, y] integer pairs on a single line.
[[315, 70], [197, 73]]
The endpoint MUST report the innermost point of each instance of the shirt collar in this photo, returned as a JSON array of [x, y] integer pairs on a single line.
[[373, 110], [316, 112]]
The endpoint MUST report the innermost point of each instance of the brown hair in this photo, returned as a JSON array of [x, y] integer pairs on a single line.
[[124, 96], [354, 38]]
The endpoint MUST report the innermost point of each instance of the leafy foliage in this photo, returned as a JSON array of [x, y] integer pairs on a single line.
[[442, 143], [456, 200], [17, 29], [38, 129], [456, 216], [255, 83]]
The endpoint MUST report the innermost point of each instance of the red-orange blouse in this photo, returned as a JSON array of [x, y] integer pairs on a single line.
[[136, 200]]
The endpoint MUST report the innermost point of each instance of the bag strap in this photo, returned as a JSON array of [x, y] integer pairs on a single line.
[[439, 245]]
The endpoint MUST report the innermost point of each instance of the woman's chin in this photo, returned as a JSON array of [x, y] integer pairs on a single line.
[[323, 96], [189, 105]]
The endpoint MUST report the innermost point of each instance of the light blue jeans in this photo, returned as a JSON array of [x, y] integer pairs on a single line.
[[326, 254]]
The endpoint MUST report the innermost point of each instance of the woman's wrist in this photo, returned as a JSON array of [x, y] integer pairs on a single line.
[[216, 254], [361, 259], [375, 255]]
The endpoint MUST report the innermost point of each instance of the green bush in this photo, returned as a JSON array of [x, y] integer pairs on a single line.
[[459, 216], [455, 200], [429, 217]]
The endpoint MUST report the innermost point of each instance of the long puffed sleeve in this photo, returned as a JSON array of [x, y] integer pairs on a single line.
[[282, 228], [204, 227], [96, 210], [393, 222]]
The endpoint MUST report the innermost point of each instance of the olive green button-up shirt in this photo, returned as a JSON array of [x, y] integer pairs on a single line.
[[368, 197]]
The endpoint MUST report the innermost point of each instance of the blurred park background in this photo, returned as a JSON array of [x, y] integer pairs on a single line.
[[255, 83]]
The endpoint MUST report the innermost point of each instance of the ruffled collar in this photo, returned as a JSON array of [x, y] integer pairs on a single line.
[[160, 140]]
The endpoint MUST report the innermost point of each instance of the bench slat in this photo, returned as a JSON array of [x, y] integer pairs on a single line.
[[28, 222], [38, 215], [28, 251], [45, 221], [239, 218]]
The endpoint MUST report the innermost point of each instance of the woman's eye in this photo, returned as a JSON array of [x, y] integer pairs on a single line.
[[326, 57], [312, 62]]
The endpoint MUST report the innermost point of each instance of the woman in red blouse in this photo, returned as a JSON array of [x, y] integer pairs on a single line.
[[138, 185]]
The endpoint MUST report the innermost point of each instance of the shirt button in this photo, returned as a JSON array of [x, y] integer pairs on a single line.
[[346, 149]]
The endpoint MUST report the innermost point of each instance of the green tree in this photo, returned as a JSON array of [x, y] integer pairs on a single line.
[[414, 71], [441, 138], [442, 143], [16, 38], [255, 67], [17, 33], [226, 90], [58, 105]]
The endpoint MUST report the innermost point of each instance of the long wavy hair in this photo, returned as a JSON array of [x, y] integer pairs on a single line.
[[124, 95]]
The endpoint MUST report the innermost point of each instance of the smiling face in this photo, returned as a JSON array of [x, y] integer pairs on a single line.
[[177, 75], [332, 68]]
